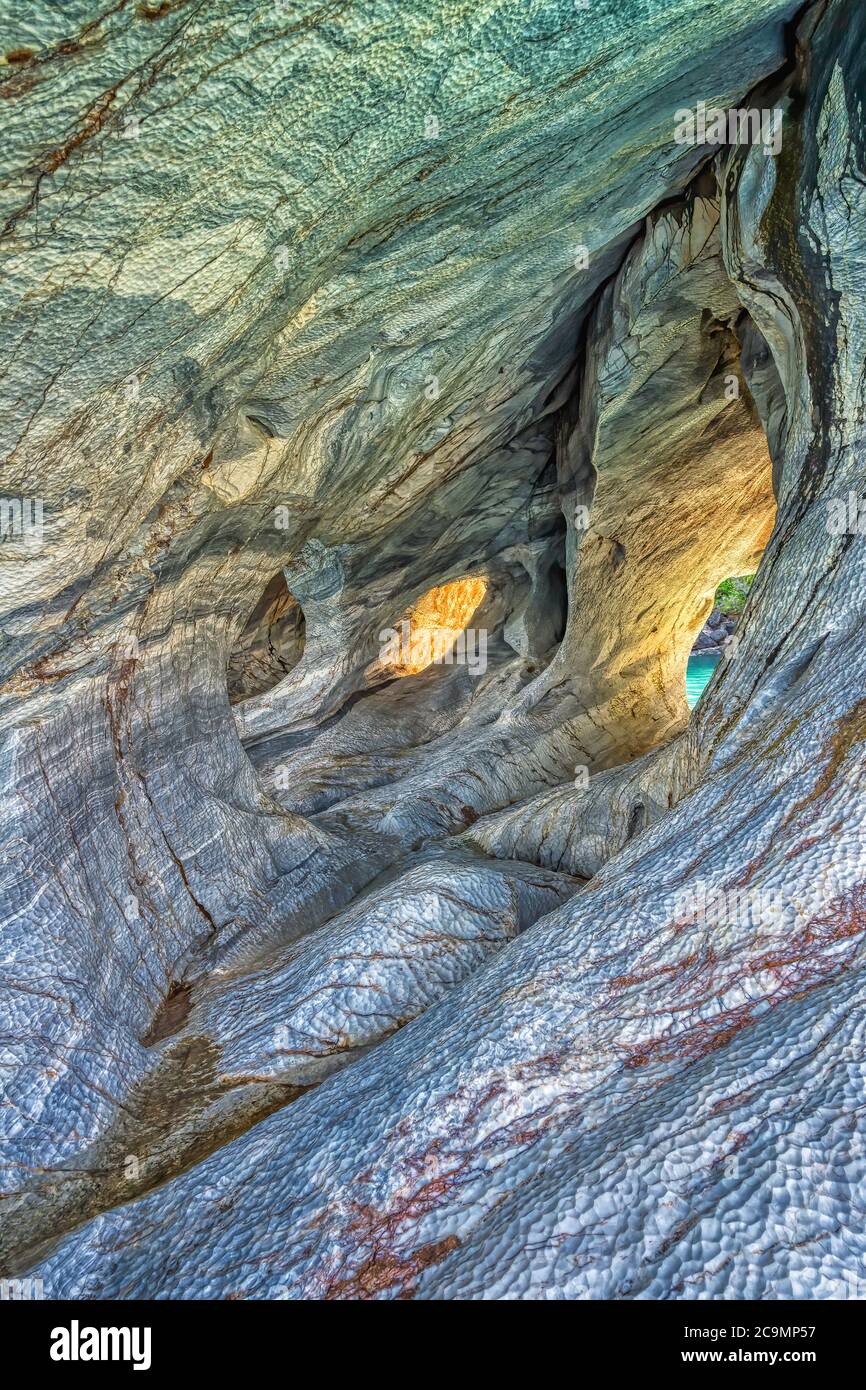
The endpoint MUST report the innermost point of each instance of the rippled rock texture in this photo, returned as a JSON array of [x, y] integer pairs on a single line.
[[395, 391]]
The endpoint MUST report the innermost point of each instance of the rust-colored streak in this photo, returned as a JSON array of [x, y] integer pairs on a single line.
[[849, 732], [797, 964], [90, 126], [695, 1042], [625, 981], [390, 1270]]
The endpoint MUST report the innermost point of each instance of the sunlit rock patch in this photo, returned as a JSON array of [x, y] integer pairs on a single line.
[[432, 627]]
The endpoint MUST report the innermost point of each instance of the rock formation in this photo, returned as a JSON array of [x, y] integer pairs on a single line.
[[334, 969]]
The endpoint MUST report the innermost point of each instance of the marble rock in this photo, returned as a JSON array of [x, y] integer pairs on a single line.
[[330, 973]]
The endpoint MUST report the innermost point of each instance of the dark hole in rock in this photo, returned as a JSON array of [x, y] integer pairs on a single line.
[[170, 1016], [637, 820], [558, 600], [270, 645]]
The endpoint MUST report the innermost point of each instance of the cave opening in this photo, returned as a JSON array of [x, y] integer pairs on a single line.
[[717, 634], [435, 630], [270, 645]]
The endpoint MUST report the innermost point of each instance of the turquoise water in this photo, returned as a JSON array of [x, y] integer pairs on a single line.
[[701, 666]]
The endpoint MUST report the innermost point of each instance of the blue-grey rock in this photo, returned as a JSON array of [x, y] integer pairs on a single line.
[[302, 991]]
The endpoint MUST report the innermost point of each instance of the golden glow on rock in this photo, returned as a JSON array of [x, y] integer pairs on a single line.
[[433, 625]]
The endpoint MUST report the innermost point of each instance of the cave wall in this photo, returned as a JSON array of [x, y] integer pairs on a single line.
[[365, 356]]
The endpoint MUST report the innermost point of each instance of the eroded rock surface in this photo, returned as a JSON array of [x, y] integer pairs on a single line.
[[408, 979]]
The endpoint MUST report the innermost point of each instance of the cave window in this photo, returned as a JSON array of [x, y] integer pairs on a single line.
[[431, 630], [270, 645], [558, 601], [716, 634]]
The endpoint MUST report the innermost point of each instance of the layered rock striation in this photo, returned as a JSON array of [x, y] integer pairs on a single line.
[[330, 973]]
